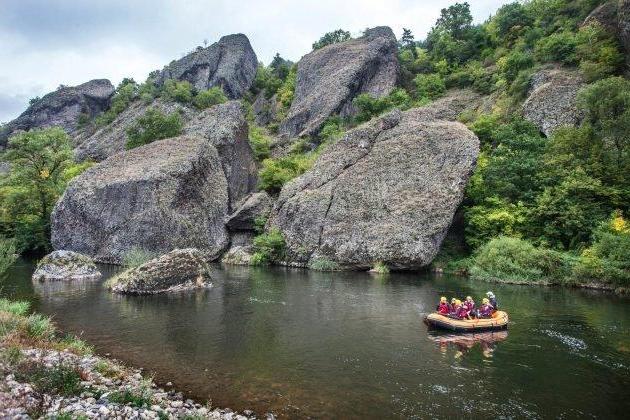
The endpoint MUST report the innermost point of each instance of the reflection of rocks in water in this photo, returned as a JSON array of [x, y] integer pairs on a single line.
[[63, 289], [463, 343]]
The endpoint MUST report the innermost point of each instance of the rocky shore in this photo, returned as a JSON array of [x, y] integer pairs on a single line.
[[106, 390]]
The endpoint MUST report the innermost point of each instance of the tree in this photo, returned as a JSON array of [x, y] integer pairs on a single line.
[[38, 159], [606, 105], [455, 20], [333, 37], [408, 42]]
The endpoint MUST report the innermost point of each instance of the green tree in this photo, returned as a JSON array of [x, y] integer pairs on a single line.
[[430, 86], [153, 125], [333, 37], [35, 181], [454, 20]]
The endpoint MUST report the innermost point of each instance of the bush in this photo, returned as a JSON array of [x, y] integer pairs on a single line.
[[491, 218], [511, 64], [18, 308], [598, 52], [513, 260], [60, 379], [126, 91], [370, 107], [608, 259], [76, 169], [559, 47], [380, 268], [323, 264], [259, 142], [207, 98], [135, 257], [268, 247], [333, 37], [174, 90], [153, 125], [277, 172], [287, 90], [8, 254], [430, 86], [136, 398]]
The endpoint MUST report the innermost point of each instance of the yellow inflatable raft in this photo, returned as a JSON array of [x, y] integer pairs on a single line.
[[498, 321]]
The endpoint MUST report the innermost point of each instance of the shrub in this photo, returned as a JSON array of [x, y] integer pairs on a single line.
[[268, 247], [207, 98], [323, 264], [598, 52], [429, 86], [287, 90], [8, 254], [126, 91], [277, 172], [333, 37], [491, 218], [153, 125], [39, 326], [135, 257], [370, 106], [76, 169], [380, 268], [136, 398], [259, 142], [174, 90], [513, 260], [332, 129], [608, 259], [60, 379], [511, 64], [558, 47]]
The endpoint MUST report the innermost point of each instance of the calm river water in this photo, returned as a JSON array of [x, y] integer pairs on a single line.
[[353, 345]]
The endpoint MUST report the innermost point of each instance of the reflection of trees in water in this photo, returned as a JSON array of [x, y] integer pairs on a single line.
[[463, 343]]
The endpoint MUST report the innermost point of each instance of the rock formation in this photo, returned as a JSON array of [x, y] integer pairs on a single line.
[[265, 110], [552, 99], [105, 141], [225, 127], [63, 107], [66, 265], [180, 269], [329, 78], [165, 195], [386, 192], [230, 63]]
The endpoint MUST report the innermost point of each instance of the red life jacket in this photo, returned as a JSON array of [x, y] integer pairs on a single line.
[[443, 309]]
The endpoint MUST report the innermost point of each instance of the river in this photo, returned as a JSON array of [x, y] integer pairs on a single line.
[[353, 345]]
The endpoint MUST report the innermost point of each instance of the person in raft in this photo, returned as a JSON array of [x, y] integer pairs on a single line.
[[455, 307], [443, 308], [486, 309], [470, 305], [493, 300]]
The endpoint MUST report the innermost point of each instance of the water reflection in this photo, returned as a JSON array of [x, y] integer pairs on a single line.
[[463, 343]]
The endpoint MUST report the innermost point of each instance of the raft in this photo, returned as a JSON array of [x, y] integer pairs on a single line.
[[498, 321]]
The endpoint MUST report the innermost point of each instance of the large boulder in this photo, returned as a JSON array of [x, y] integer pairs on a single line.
[[168, 194], [66, 265], [180, 269], [386, 192], [230, 63], [265, 109], [552, 99], [225, 127], [63, 107], [99, 144], [328, 79], [615, 17]]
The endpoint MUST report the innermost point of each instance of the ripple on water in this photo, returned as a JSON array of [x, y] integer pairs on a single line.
[[573, 343]]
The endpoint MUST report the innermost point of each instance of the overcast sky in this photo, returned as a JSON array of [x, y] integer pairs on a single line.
[[44, 43]]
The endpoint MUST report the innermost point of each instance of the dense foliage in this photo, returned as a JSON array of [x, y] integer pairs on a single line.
[[153, 125], [333, 37], [41, 165]]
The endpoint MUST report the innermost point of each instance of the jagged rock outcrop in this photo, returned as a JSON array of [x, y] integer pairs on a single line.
[[66, 265], [105, 141], [257, 205], [169, 194], [180, 269], [63, 108], [265, 109], [225, 127], [552, 99], [329, 78], [386, 192], [242, 227], [230, 63]]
